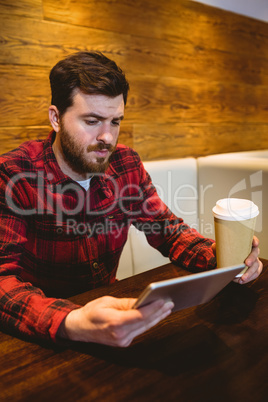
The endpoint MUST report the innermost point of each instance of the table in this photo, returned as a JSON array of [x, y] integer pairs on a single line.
[[214, 352]]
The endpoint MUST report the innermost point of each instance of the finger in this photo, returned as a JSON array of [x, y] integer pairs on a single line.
[[252, 272], [138, 321], [149, 324], [133, 322], [153, 307], [253, 257], [122, 303], [126, 304], [145, 327], [135, 318], [156, 308], [255, 241]]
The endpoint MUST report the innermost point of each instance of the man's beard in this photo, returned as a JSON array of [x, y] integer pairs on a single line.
[[73, 155]]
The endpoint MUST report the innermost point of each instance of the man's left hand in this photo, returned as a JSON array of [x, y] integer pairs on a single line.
[[253, 263]]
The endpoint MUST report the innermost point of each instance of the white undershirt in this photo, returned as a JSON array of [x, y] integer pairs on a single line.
[[84, 183]]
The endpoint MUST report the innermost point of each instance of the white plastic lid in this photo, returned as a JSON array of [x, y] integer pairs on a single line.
[[235, 209]]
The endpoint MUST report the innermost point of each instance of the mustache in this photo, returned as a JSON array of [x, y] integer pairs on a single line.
[[101, 147]]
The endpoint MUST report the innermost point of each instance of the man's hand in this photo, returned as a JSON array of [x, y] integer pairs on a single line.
[[112, 321], [252, 262]]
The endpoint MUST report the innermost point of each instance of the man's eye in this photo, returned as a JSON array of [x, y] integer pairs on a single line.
[[116, 122], [91, 122]]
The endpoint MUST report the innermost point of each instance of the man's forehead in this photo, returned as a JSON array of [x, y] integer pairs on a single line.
[[98, 104], [80, 96]]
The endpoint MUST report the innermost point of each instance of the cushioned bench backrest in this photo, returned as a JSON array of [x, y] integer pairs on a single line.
[[236, 175], [176, 184]]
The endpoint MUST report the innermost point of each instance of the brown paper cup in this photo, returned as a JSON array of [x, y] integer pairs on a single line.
[[233, 241], [234, 221]]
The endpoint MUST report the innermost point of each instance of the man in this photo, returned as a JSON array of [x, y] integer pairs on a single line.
[[66, 205]]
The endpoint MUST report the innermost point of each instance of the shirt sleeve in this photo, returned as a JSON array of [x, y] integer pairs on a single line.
[[24, 308], [170, 234]]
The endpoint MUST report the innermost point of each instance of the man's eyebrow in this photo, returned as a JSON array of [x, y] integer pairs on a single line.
[[100, 117]]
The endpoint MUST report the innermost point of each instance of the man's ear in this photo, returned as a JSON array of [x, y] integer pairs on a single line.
[[54, 117]]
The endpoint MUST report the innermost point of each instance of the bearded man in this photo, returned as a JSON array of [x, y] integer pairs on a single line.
[[80, 177]]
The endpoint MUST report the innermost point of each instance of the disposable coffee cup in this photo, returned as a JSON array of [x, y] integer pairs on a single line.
[[234, 221]]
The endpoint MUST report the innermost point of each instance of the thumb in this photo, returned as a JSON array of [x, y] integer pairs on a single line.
[[123, 303]]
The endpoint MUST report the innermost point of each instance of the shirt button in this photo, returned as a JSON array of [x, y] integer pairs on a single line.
[[110, 216], [59, 231], [95, 265]]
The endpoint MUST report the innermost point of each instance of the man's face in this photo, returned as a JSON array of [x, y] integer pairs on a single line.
[[89, 132]]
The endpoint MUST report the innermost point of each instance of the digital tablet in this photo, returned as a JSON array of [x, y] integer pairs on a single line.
[[190, 290]]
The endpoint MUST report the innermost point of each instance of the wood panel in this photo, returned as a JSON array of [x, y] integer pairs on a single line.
[[157, 142], [126, 134], [12, 137], [198, 36], [198, 75], [33, 42], [22, 8], [176, 100], [26, 99], [186, 20]]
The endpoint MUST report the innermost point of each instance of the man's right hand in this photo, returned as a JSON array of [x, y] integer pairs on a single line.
[[112, 321]]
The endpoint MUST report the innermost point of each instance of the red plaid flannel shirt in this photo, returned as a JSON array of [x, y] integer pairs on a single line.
[[57, 240]]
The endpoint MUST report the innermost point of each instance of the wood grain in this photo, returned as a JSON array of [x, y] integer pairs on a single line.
[[22, 8], [126, 134], [27, 96], [33, 42], [193, 71], [187, 21], [209, 346], [12, 137], [182, 140], [196, 37], [175, 100]]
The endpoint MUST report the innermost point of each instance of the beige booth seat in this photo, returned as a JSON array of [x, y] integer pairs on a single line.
[[176, 183], [237, 175], [191, 187]]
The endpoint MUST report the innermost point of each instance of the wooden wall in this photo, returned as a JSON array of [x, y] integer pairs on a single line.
[[198, 75]]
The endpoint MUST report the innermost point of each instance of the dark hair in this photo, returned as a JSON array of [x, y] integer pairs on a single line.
[[91, 72]]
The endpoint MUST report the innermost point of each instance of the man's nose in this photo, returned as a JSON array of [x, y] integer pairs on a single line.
[[105, 135]]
